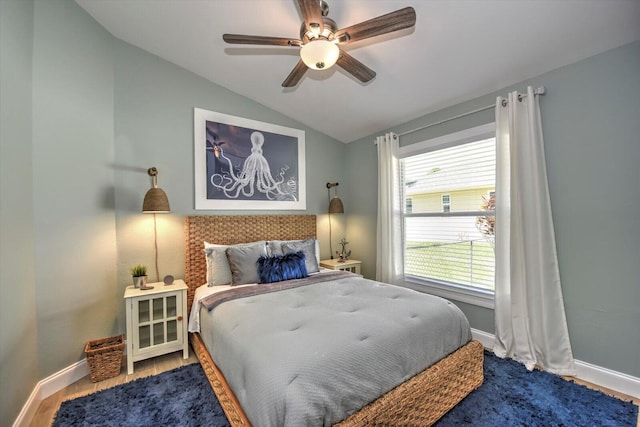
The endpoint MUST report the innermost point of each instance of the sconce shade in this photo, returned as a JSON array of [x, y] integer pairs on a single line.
[[336, 206], [156, 201]]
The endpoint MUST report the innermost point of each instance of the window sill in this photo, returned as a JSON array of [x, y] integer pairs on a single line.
[[470, 296]]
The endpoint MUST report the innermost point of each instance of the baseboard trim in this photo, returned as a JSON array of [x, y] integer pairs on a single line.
[[49, 386], [29, 409], [598, 375], [613, 380], [63, 378], [485, 338]]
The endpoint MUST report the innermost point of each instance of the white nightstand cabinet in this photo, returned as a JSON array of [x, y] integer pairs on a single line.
[[156, 321], [352, 265]]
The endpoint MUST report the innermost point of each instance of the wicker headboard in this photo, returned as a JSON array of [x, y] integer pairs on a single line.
[[229, 230]]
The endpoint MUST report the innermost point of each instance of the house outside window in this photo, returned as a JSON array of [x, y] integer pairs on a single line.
[[408, 205], [449, 247], [446, 203]]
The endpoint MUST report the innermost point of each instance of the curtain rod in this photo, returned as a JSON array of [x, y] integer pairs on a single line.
[[538, 91]]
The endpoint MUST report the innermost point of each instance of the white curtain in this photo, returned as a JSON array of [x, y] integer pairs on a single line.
[[389, 254], [531, 325]]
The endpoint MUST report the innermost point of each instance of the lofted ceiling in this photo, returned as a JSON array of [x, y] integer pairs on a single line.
[[458, 50]]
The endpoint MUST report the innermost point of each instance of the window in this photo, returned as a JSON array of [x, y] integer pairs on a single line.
[[449, 247], [446, 203]]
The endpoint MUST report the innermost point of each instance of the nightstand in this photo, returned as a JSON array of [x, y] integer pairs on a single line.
[[156, 321], [352, 265]]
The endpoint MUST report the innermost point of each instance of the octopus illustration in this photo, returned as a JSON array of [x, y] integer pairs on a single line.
[[255, 175]]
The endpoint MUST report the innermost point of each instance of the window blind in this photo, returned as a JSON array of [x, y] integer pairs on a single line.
[[448, 230]]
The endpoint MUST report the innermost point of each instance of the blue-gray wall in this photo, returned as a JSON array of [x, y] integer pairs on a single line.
[[72, 183], [18, 339], [591, 125]]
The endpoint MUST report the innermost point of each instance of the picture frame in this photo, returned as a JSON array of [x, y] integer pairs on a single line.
[[245, 164]]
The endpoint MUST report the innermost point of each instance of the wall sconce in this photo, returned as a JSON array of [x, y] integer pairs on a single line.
[[335, 207], [155, 201]]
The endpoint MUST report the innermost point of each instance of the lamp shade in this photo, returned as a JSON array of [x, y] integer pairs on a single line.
[[320, 54], [336, 206], [155, 201]]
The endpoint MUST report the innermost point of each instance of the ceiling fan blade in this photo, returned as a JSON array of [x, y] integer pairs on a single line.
[[312, 14], [296, 74], [355, 67], [394, 21], [261, 40]]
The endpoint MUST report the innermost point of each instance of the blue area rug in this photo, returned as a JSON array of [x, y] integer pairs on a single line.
[[510, 396], [181, 397], [513, 396]]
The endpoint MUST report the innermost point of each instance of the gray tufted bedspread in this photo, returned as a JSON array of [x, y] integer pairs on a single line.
[[313, 355]]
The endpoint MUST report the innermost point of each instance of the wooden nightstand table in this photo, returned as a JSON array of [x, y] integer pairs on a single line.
[[352, 265], [156, 321]]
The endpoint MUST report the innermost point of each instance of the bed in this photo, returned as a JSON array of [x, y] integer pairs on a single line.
[[418, 401]]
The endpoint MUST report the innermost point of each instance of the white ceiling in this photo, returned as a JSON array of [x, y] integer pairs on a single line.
[[459, 49]]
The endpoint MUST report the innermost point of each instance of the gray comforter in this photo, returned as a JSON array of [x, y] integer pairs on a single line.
[[312, 355]]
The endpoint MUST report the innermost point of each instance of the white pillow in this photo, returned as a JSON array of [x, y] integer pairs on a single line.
[[218, 271]]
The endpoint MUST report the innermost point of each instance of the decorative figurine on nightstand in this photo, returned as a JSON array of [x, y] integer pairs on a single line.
[[343, 255]]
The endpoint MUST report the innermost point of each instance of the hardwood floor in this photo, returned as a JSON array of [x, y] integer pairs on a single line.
[[48, 407]]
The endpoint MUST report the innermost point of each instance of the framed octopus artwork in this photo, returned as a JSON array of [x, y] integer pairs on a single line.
[[246, 164]]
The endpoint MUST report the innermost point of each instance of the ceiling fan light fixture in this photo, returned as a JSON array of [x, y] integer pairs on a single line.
[[320, 54], [321, 40], [314, 29]]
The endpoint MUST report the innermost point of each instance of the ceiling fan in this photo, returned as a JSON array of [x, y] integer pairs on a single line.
[[320, 39]]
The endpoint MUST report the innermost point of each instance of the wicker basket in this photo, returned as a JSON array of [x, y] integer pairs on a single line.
[[104, 357]]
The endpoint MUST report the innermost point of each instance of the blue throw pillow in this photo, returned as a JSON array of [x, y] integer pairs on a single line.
[[282, 267]]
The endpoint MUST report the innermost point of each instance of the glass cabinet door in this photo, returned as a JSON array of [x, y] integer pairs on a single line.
[[144, 338], [172, 330], [158, 320], [172, 306]]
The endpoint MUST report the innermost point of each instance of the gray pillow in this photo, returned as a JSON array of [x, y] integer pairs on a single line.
[[275, 247], [309, 248], [242, 262]]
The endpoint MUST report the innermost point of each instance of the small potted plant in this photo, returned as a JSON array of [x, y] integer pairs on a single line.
[[139, 274]]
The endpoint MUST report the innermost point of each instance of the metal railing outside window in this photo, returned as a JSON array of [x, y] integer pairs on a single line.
[[466, 263]]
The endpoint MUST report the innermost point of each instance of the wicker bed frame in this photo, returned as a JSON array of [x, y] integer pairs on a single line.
[[418, 402]]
